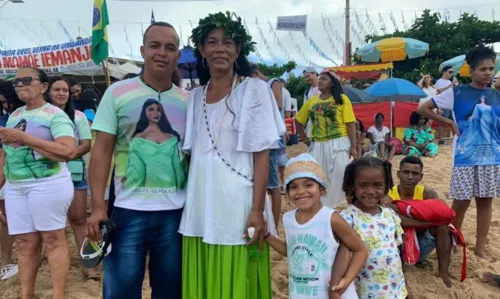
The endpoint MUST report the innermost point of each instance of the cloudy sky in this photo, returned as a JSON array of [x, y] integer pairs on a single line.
[[42, 22]]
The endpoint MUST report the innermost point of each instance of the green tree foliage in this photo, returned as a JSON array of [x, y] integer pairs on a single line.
[[275, 71], [446, 40], [295, 85]]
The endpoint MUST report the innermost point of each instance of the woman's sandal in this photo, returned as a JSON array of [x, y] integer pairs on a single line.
[[492, 279], [92, 273]]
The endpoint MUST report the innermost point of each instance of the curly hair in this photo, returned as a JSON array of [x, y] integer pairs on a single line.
[[478, 54], [415, 119], [353, 169]]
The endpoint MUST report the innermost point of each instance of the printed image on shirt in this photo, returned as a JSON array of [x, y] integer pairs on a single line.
[[45, 123], [150, 171], [154, 159], [21, 125], [480, 135], [324, 119], [382, 275], [306, 252]]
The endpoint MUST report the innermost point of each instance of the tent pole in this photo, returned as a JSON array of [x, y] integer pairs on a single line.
[[392, 123], [106, 73]]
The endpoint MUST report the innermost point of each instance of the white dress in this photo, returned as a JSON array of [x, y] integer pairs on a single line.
[[220, 190]]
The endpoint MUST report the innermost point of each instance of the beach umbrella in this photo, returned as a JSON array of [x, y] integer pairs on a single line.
[[187, 64], [392, 49], [396, 90], [356, 95], [460, 65]]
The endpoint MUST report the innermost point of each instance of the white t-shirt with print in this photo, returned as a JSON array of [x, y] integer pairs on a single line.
[[149, 127], [378, 136]]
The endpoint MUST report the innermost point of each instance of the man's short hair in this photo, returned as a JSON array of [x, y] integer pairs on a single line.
[[446, 68], [159, 24], [282, 80], [73, 82], [411, 160]]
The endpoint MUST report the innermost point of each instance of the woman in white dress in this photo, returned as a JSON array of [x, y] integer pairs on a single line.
[[232, 122]]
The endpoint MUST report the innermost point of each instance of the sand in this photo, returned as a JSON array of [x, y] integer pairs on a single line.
[[422, 281]]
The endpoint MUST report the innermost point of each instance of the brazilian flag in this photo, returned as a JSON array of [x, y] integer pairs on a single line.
[[100, 48]]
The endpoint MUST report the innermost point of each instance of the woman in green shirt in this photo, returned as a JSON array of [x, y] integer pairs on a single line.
[[59, 95], [37, 140]]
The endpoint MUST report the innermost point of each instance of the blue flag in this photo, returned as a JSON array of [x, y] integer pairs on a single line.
[[152, 17]]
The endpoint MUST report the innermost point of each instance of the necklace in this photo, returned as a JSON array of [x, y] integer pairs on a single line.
[[213, 137]]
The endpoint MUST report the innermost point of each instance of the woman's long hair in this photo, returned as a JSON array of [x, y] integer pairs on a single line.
[[424, 85], [68, 108], [9, 92], [240, 67], [164, 124], [336, 89]]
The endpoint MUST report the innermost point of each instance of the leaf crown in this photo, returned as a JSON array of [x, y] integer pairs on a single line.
[[233, 28]]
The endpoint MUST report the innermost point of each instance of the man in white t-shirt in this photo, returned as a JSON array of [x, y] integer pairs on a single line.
[[287, 99], [444, 83], [287, 108], [312, 78], [273, 185], [379, 136], [149, 199]]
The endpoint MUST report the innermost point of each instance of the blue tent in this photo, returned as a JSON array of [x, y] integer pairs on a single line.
[[187, 64]]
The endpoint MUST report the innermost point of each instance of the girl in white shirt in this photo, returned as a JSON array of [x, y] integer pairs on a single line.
[[312, 237]]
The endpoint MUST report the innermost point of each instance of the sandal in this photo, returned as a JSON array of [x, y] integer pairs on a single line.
[[492, 279], [8, 271], [92, 273], [423, 264]]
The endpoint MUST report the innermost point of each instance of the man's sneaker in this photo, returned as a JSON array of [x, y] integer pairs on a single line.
[[8, 271]]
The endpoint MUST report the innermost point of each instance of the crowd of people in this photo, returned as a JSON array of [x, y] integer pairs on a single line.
[[192, 172]]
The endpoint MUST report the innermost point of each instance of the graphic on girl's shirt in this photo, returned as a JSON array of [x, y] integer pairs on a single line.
[[155, 163], [324, 119], [480, 135], [382, 275], [306, 254]]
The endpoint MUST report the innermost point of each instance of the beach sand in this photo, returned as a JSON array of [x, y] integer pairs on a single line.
[[423, 283]]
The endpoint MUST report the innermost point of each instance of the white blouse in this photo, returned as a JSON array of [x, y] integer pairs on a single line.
[[222, 138]]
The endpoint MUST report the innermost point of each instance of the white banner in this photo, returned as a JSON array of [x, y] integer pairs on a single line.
[[292, 23], [58, 58]]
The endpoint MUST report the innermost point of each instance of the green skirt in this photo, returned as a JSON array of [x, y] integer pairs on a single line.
[[223, 271]]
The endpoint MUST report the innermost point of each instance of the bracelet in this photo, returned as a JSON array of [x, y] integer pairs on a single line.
[[267, 236]]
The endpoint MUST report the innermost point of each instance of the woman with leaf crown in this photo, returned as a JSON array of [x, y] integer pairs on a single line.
[[232, 122]]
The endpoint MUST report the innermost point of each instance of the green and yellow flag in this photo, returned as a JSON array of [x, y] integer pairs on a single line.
[[100, 32]]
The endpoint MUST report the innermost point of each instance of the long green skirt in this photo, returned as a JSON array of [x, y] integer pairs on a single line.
[[223, 271]]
